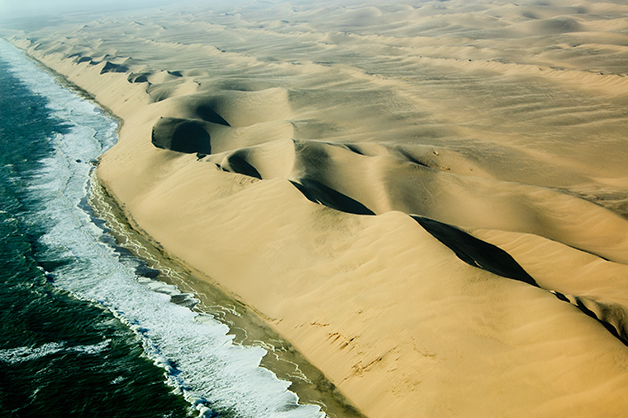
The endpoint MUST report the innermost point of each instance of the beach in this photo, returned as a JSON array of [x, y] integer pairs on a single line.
[[428, 200]]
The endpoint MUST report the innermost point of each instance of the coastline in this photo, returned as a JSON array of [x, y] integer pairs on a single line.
[[398, 322], [249, 327]]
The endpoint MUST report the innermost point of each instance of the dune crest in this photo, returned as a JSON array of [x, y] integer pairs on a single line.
[[429, 200]]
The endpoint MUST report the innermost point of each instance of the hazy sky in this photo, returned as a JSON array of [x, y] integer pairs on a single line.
[[22, 8]]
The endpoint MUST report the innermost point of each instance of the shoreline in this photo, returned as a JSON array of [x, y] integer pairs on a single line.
[[249, 326], [380, 256]]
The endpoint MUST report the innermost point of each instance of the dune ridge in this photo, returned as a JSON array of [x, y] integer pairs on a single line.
[[429, 200]]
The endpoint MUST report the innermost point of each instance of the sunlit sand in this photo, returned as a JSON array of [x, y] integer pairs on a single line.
[[280, 150]]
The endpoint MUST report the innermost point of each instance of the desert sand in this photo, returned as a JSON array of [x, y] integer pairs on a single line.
[[428, 199]]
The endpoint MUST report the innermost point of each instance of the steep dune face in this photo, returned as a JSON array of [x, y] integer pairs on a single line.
[[429, 200]]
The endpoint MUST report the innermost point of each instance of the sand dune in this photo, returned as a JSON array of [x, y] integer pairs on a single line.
[[430, 200]]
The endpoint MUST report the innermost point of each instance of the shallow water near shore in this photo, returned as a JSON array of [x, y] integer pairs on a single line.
[[85, 328]]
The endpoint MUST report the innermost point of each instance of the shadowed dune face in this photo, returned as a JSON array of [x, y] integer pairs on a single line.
[[559, 25], [476, 252], [319, 193], [181, 135], [138, 77], [430, 192], [113, 68], [206, 112], [207, 108], [238, 163]]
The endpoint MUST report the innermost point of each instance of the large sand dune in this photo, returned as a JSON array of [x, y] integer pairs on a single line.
[[429, 200]]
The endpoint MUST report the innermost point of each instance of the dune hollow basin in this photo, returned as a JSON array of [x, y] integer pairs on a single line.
[[429, 199]]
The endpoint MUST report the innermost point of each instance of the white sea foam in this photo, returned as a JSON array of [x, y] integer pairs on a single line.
[[198, 356], [23, 354]]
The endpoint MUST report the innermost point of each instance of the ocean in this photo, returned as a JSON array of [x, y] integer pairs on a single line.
[[85, 328]]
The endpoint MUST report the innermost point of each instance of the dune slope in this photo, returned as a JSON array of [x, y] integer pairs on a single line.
[[430, 200]]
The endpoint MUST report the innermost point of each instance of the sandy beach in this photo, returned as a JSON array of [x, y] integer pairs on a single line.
[[429, 200]]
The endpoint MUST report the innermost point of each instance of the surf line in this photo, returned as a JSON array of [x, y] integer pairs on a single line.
[[164, 274], [195, 350]]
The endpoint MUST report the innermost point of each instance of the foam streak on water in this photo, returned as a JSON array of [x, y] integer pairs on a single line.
[[199, 358]]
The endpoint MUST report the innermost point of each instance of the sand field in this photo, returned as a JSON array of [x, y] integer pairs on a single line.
[[429, 200]]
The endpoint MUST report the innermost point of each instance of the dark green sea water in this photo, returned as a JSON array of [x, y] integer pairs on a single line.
[[59, 356], [83, 332]]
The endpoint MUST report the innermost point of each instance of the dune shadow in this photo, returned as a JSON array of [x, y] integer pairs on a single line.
[[319, 193], [476, 252], [239, 164], [182, 135], [489, 257], [206, 112], [113, 68]]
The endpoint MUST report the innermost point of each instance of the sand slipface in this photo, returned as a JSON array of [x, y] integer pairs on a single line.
[[429, 200]]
